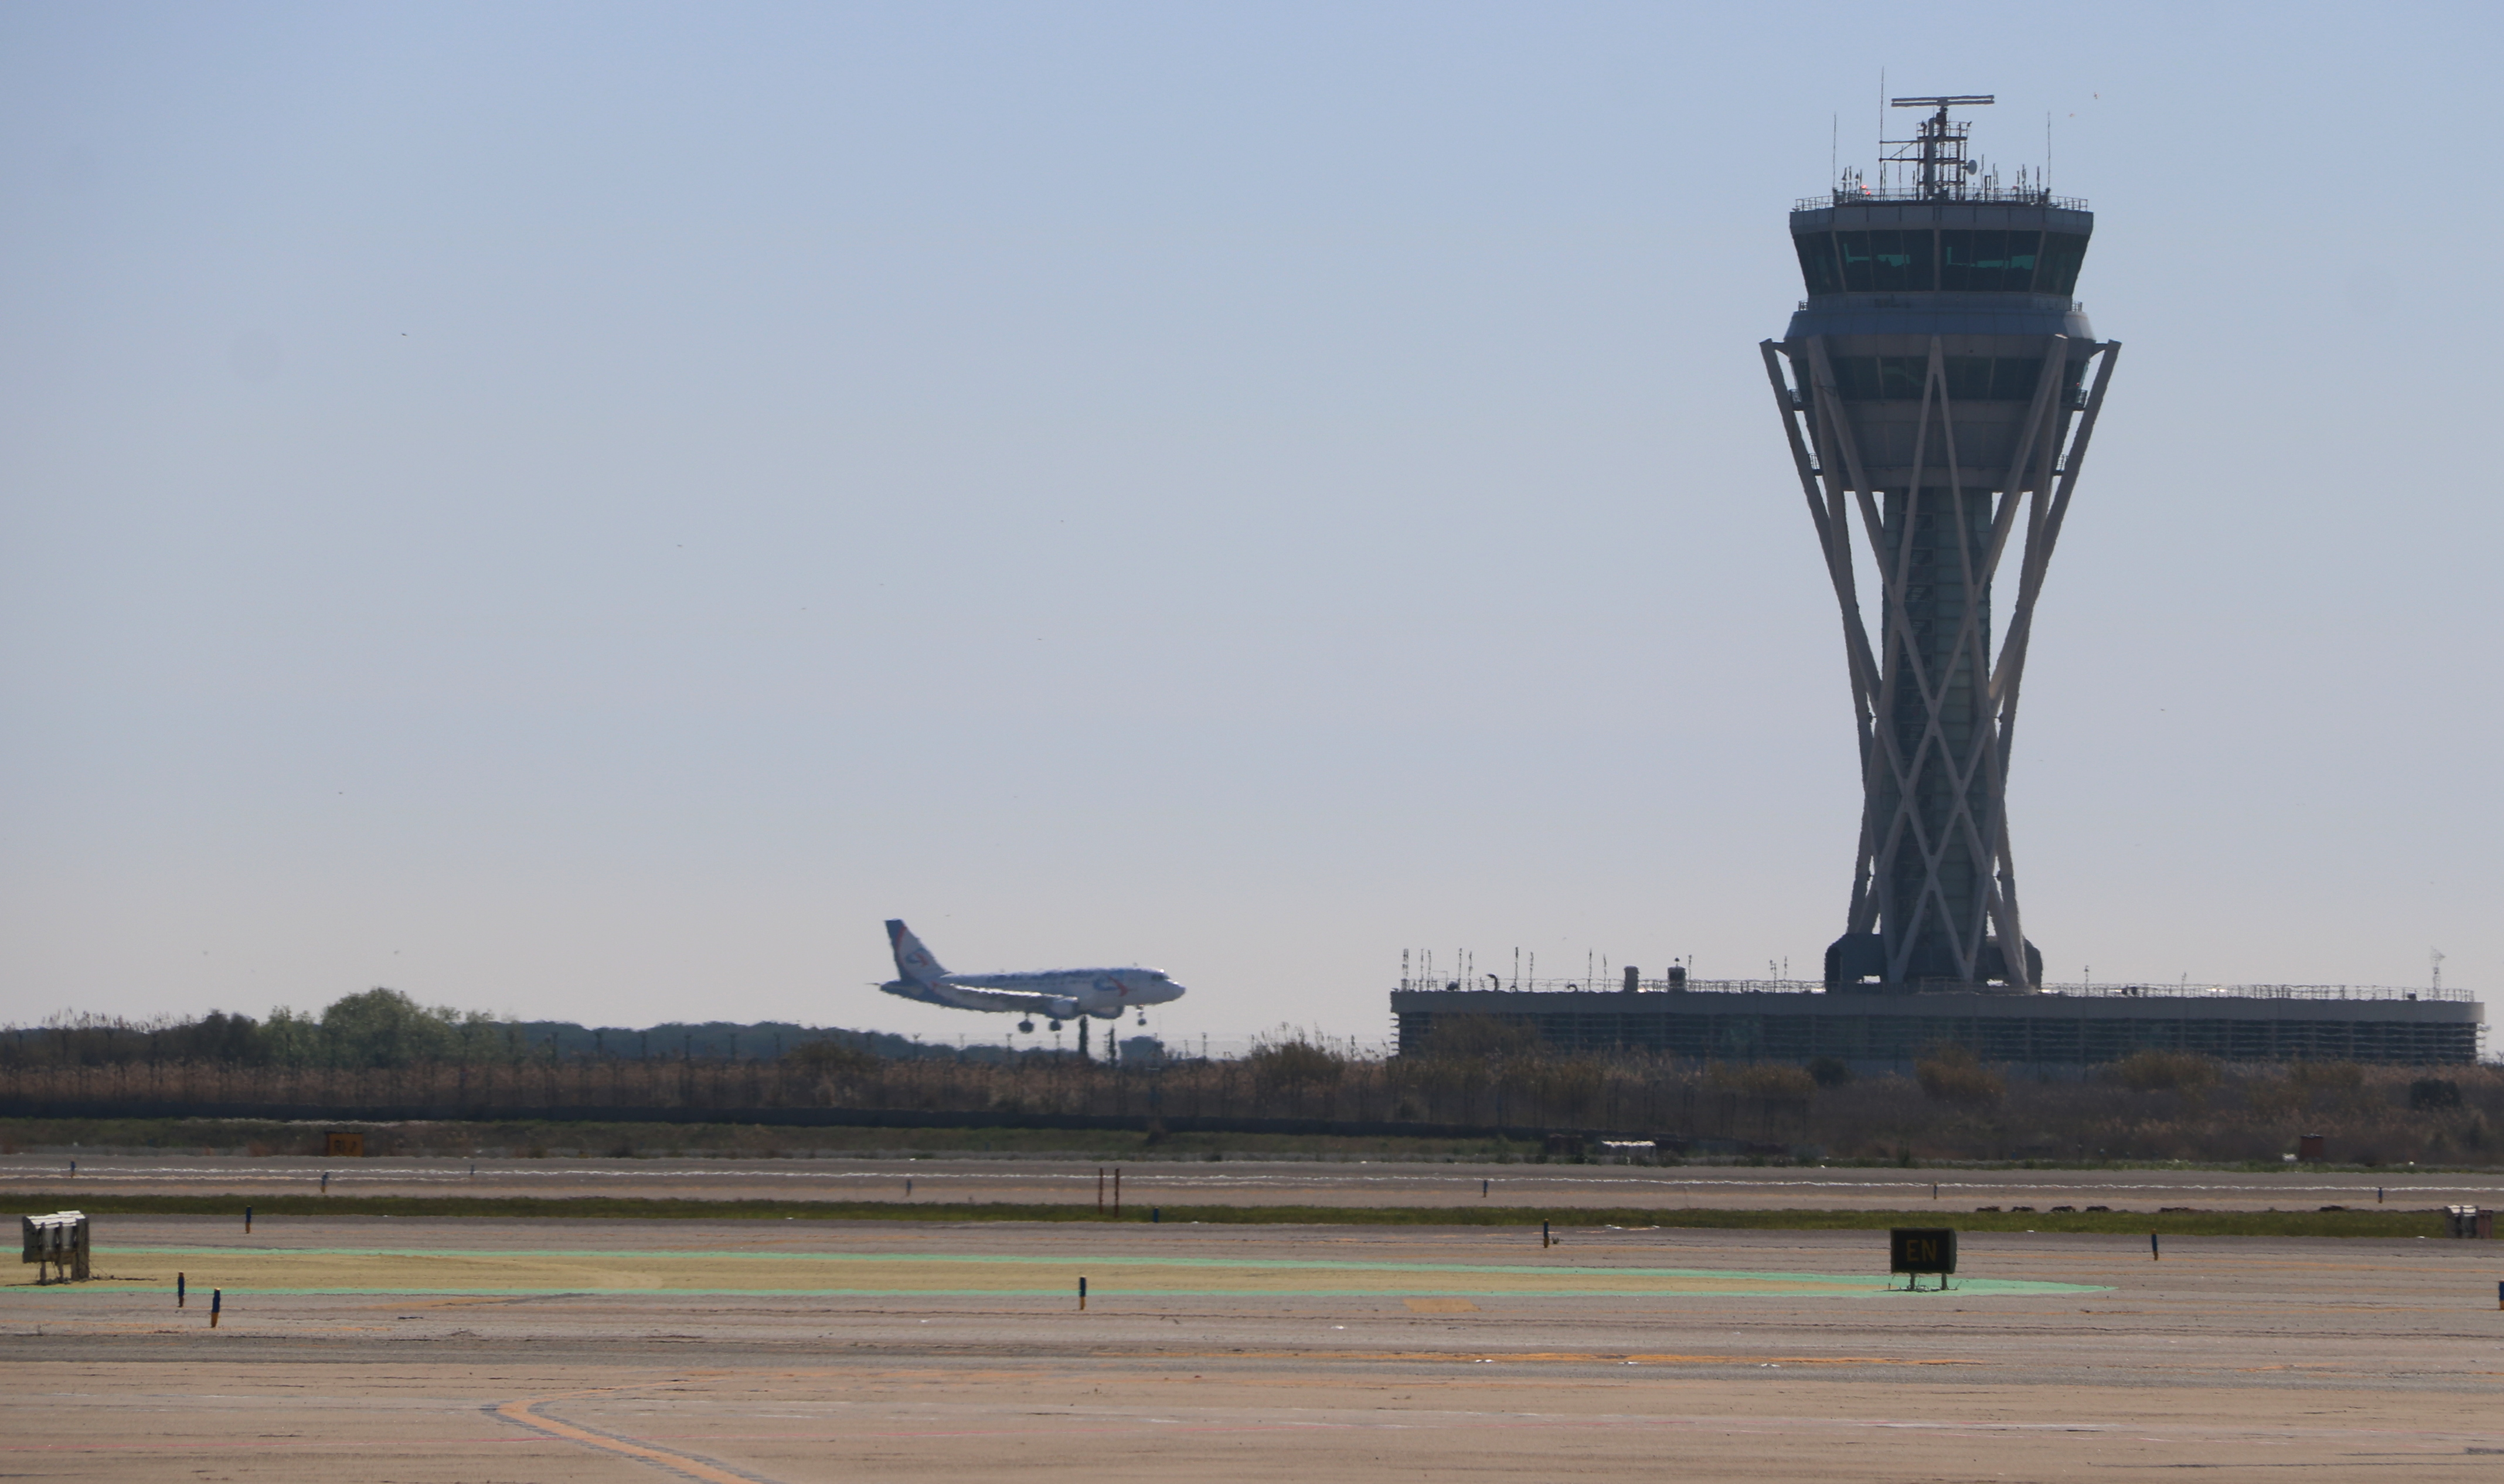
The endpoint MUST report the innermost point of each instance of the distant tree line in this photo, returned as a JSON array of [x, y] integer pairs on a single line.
[[380, 1049], [381, 1028]]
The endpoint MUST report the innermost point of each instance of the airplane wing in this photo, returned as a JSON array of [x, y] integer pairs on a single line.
[[1057, 1007], [1020, 984]]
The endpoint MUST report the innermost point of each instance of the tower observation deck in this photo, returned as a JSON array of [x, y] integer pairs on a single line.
[[1939, 384]]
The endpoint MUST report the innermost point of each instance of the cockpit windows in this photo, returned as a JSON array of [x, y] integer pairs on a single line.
[[1919, 259]]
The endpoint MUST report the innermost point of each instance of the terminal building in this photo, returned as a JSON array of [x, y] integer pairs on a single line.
[[2069, 1027], [1937, 387]]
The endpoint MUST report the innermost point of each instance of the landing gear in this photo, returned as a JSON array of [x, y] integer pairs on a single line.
[[1027, 1026], [1056, 1026]]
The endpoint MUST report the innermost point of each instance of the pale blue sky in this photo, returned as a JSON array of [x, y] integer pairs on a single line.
[[584, 510]]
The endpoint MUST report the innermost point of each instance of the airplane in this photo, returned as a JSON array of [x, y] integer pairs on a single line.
[[1056, 995]]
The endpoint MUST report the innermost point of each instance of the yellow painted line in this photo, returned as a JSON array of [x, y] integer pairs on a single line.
[[1526, 1357], [524, 1414]]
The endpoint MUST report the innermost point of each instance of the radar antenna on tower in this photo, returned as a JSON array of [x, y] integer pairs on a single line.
[[1937, 149]]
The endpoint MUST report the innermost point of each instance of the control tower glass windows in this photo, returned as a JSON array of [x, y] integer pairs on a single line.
[[1970, 378], [1885, 263], [2063, 252], [1987, 262], [1817, 263], [1919, 260]]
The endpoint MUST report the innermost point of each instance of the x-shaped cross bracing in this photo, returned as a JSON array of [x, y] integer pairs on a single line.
[[2040, 474]]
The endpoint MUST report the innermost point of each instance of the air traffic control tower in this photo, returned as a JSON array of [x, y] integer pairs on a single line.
[[1938, 386]]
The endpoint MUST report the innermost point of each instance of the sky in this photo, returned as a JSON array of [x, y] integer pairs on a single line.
[[584, 510]]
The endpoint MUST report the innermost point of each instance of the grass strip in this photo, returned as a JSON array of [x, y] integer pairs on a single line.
[[2379, 1222]]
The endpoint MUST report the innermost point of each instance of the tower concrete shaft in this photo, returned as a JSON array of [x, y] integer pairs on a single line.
[[1939, 384]]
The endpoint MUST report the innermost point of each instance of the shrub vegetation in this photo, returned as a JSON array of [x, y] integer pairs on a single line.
[[380, 1049]]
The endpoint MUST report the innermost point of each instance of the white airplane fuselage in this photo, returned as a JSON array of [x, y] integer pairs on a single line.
[[1057, 994]]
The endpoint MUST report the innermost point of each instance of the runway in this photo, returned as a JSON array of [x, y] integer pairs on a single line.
[[467, 1350], [1264, 1183], [1114, 1276]]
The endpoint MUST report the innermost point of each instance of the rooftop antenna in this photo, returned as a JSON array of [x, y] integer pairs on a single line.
[[2435, 956], [1937, 149]]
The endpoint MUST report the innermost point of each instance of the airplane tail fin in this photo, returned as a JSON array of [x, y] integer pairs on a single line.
[[913, 962]]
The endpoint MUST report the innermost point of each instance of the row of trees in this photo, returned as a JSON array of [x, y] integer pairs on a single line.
[[386, 1028], [378, 1028], [2156, 1105], [380, 1048]]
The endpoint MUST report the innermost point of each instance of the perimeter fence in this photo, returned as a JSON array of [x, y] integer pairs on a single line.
[[2150, 1105]]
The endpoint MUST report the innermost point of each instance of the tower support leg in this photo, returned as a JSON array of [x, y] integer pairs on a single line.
[[1935, 885]]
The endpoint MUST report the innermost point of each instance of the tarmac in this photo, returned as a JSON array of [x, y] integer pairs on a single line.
[[1263, 1183], [776, 1352]]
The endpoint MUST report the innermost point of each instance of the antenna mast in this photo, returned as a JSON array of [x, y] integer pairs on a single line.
[[1937, 149]]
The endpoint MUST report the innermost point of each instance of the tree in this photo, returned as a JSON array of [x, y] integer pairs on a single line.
[[386, 1028]]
